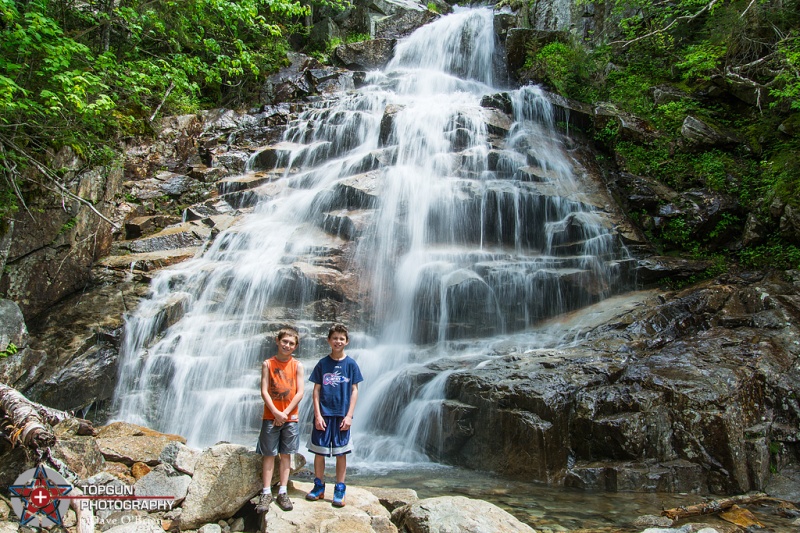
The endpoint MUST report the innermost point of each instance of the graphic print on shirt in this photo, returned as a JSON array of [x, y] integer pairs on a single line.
[[334, 379], [281, 385]]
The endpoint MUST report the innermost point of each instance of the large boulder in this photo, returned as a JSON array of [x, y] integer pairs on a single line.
[[661, 394], [456, 513], [363, 513], [128, 443], [366, 55], [225, 478]]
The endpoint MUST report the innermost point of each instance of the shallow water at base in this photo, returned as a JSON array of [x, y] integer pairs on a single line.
[[546, 509]]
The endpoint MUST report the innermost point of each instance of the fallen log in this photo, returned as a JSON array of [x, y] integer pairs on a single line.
[[29, 423], [716, 506]]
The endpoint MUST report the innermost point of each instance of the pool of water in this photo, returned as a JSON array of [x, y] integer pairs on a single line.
[[546, 509]]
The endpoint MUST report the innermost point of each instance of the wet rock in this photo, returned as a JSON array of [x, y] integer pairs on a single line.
[[456, 513], [611, 476], [242, 182], [185, 235], [129, 443], [496, 122], [366, 55], [405, 17], [346, 224], [657, 268], [225, 478]]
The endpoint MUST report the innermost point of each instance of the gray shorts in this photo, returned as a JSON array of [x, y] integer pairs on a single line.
[[277, 439]]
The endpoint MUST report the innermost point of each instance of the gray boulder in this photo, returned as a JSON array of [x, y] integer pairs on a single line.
[[456, 513], [225, 478]]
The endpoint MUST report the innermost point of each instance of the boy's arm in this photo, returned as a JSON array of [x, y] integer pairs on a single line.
[[347, 421], [300, 390], [280, 418], [319, 422]]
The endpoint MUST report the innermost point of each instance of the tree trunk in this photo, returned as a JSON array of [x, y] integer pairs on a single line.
[[29, 422], [716, 506]]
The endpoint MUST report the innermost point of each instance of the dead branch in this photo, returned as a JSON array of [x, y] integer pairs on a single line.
[[684, 18], [717, 506], [63, 190], [166, 94], [29, 423]]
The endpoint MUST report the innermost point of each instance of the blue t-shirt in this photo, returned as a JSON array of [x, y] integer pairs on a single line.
[[337, 379]]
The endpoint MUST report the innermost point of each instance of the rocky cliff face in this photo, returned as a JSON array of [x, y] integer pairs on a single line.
[[670, 391]]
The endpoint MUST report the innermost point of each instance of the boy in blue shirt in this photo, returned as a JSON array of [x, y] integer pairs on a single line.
[[336, 378]]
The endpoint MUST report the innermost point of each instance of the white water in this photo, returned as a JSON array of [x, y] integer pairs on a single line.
[[462, 244]]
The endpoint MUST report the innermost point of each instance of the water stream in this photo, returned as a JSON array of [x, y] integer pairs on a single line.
[[455, 226]]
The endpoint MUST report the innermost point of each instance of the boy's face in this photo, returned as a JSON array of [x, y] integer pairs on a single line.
[[286, 345], [337, 341]]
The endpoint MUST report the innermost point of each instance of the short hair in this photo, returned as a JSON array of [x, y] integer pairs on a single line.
[[338, 328], [284, 332]]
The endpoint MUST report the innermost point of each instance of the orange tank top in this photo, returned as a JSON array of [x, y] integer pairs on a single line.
[[282, 386]]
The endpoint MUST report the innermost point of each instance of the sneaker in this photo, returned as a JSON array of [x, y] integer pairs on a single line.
[[263, 502], [338, 495], [317, 492], [284, 502]]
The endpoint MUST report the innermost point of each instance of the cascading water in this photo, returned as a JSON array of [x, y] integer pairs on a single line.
[[446, 216]]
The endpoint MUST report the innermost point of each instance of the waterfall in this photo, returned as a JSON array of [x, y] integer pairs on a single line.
[[452, 225]]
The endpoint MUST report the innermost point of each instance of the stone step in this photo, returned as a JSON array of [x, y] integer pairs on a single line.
[[140, 226], [149, 261], [184, 235], [289, 154]]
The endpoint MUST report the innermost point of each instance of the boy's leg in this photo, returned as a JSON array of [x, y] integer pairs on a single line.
[[268, 447], [286, 468], [341, 468], [319, 466], [267, 469]]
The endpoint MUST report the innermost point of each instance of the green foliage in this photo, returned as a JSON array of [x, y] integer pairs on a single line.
[[68, 225], [701, 61], [11, 349], [357, 38], [81, 74], [555, 63], [432, 7], [771, 255], [788, 80]]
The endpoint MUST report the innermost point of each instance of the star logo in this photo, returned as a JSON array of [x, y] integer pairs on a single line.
[[39, 493]]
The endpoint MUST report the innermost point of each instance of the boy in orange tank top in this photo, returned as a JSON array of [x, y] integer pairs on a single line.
[[282, 389]]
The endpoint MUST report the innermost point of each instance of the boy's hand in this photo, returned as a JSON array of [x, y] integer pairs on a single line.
[[281, 418], [319, 423], [346, 423]]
